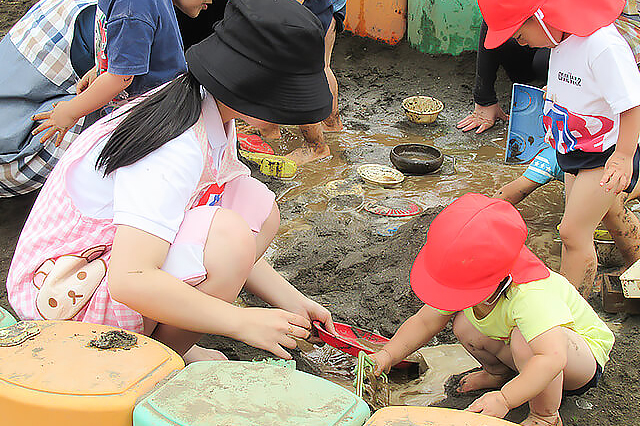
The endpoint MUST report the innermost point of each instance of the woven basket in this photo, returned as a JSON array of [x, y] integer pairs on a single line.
[[422, 109]]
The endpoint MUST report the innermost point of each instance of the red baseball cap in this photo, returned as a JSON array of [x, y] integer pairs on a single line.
[[472, 245], [579, 17]]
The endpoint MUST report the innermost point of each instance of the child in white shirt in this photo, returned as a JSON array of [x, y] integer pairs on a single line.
[[153, 225], [592, 116]]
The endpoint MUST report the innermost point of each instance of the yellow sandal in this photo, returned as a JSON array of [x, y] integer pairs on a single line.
[[271, 165]]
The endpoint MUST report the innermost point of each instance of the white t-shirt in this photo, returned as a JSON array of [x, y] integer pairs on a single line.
[[591, 81], [151, 194]]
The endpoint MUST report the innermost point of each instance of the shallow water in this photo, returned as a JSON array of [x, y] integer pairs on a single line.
[[441, 362], [477, 169]]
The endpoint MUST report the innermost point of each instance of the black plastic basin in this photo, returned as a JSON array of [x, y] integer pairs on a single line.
[[415, 158]]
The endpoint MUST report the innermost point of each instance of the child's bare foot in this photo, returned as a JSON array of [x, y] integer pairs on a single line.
[[305, 154], [480, 380], [332, 124], [271, 132], [198, 353], [536, 420]]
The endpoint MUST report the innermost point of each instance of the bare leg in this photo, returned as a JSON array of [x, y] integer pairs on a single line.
[[333, 122], [580, 368], [198, 353], [215, 287], [624, 228], [494, 356], [313, 147], [263, 239], [229, 256], [270, 131], [585, 206]]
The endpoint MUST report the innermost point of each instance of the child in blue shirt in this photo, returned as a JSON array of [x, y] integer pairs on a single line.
[[138, 47]]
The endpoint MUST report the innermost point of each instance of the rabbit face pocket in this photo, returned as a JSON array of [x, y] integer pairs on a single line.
[[67, 283]]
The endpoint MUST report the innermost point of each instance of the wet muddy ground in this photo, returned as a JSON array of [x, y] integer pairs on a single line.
[[356, 263]]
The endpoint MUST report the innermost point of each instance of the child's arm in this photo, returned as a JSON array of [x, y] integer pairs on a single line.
[[86, 80], [266, 283], [412, 334], [517, 190], [135, 279], [619, 167], [66, 113], [548, 360]]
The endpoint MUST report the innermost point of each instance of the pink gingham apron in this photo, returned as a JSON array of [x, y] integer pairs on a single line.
[[56, 229]]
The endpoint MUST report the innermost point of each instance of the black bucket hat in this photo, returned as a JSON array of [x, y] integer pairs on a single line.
[[265, 59]]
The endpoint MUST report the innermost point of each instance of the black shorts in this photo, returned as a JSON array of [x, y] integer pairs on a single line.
[[575, 161], [323, 9], [590, 384]]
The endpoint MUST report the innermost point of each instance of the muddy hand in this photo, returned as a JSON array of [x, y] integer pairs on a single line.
[[482, 118], [57, 121], [491, 404], [272, 329], [617, 173], [383, 360]]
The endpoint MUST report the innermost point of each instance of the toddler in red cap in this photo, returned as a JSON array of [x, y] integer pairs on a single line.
[[592, 116], [535, 336]]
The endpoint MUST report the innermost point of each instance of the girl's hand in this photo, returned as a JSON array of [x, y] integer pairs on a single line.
[[482, 118], [59, 120], [272, 329], [86, 80], [491, 404], [618, 171], [313, 311], [383, 361]]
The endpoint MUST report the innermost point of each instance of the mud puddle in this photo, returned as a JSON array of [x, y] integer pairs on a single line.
[[466, 168], [440, 363]]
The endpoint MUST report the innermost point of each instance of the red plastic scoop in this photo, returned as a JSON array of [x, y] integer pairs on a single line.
[[253, 143], [352, 340]]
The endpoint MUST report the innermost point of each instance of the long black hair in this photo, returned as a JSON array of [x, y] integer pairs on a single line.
[[158, 119]]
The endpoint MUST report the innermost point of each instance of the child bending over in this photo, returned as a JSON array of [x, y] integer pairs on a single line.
[[151, 223], [536, 338]]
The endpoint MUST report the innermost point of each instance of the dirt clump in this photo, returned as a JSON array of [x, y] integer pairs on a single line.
[[114, 339]]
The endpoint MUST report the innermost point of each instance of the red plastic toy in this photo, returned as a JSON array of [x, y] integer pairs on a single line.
[[254, 143], [352, 340]]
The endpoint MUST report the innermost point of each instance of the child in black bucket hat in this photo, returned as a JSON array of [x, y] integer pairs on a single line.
[[331, 14], [156, 187]]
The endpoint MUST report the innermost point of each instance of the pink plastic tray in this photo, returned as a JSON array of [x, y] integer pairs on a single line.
[[352, 340]]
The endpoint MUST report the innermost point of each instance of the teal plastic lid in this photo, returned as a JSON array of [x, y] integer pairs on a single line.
[[6, 319], [244, 393]]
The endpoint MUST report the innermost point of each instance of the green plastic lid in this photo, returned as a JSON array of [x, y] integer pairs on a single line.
[[244, 393], [6, 318]]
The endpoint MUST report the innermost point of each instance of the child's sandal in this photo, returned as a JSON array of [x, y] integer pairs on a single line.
[[535, 420]]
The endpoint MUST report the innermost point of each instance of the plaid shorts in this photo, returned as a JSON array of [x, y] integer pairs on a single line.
[[44, 34], [29, 173], [43, 37]]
